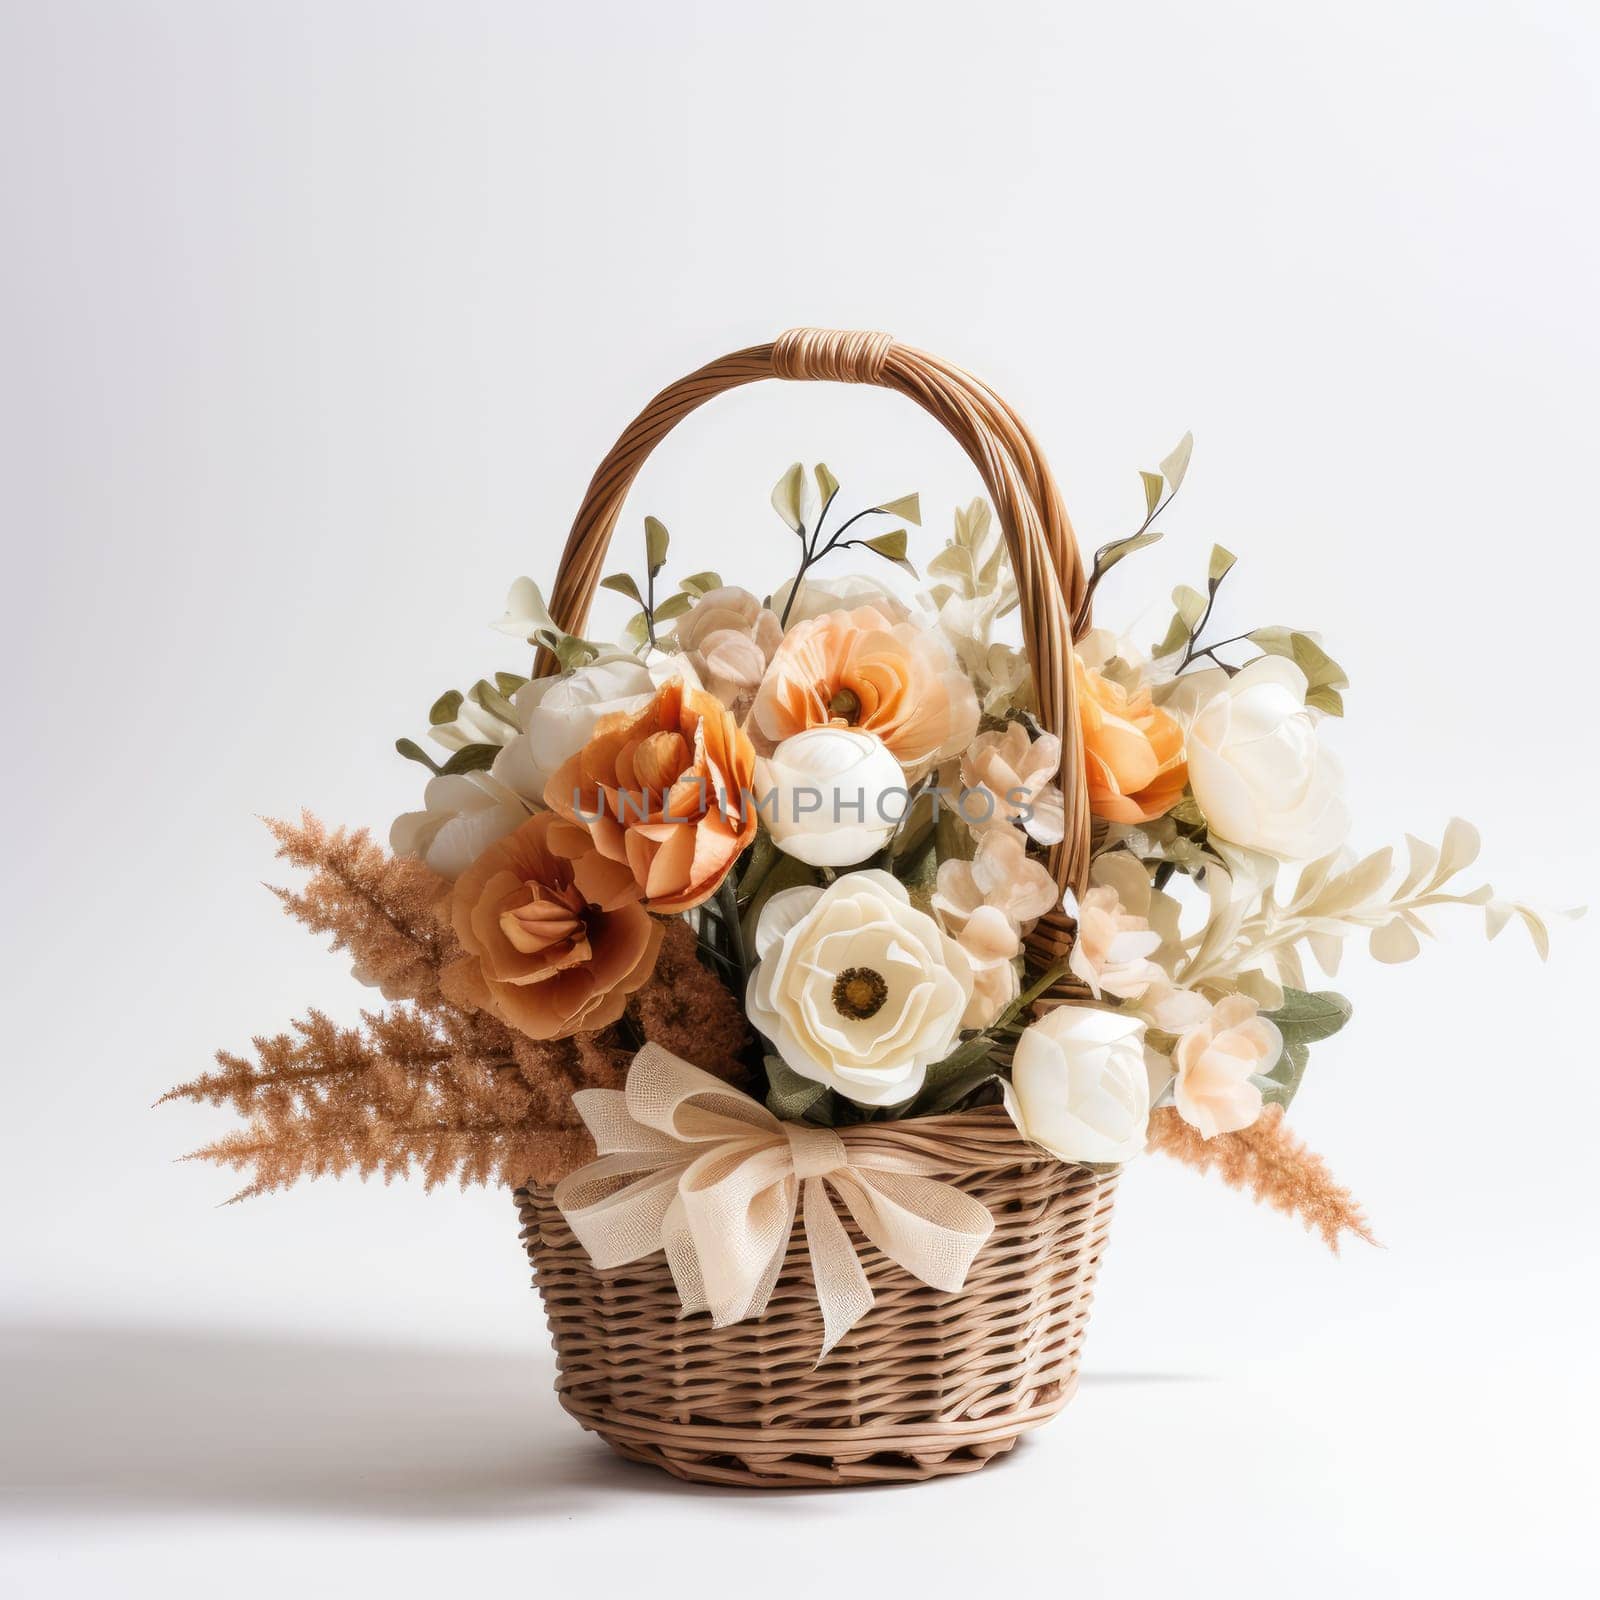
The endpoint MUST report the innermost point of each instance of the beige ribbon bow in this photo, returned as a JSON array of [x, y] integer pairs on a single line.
[[692, 1166]]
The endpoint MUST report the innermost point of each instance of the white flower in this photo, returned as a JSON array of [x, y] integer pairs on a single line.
[[1216, 1060], [465, 814], [856, 988], [1115, 941], [1079, 1086], [1258, 770], [846, 592], [559, 714], [830, 796]]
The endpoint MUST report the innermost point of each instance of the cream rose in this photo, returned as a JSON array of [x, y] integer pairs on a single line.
[[1079, 1086], [1215, 1061], [830, 796], [856, 988], [559, 714], [1258, 770]]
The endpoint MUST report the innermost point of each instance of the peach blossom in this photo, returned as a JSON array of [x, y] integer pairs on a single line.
[[863, 670], [667, 790], [1000, 876], [1215, 1060], [1133, 750], [730, 638], [554, 936], [1016, 771]]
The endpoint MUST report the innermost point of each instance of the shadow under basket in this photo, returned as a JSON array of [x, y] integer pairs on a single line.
[[926, 1384]]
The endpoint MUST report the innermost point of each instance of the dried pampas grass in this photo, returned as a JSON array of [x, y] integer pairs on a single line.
[[1274, 1164]]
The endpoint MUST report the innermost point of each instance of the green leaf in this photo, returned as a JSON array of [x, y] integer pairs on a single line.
[[470, 758], [636, 631], [621, 583], [655, 545], [786, 497], [908, 508], [572, 651], [486, 695], [1221, 565], [700, 583], [1108, 555], [1154, 483], [412, 751], [1177, 464], [1325, 699], [791, 1098], [827, 484], [1191, 605], [949, 1082], [509, 682], [1306, 1017], [891, 546], [1321, 670], [673, 606], [1177, 636], [1275, 641], [1283, 1082], [445, 708]]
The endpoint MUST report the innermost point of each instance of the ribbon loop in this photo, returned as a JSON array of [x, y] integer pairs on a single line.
[[699, 1170]]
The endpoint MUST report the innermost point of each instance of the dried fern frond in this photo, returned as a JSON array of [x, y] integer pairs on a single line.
[[435, 1087], [380, 908], [1271, 1162]]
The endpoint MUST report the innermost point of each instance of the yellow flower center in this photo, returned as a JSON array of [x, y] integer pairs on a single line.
[[859, 993]]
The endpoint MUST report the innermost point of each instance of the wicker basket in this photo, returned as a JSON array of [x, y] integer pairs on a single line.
[[928, 1383], [925, 1384]]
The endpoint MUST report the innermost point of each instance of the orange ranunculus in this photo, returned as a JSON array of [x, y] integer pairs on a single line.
[[554, 936], [861, 668], [1133, 750], [666, 790]]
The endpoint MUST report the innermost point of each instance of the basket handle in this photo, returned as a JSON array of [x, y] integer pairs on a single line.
[[1044, 551]]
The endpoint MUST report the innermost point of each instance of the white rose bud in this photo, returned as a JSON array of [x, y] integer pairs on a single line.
[[830, 796], [1258, 770], [1079, 1085]]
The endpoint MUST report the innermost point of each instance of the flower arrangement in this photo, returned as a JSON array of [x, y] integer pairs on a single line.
[[771, 878]]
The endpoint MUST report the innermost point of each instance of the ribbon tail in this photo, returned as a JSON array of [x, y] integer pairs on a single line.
[[929, 1227], [842, 1288], [683, 1259]]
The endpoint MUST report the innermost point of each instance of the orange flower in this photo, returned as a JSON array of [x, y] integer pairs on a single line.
[[554, 934], [1133, 750], [860, 668], [666, 790]]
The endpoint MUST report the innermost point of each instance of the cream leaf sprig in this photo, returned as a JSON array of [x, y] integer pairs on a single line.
[[1250, 931]]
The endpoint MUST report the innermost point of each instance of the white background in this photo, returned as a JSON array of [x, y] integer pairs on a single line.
[[316, 318]]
